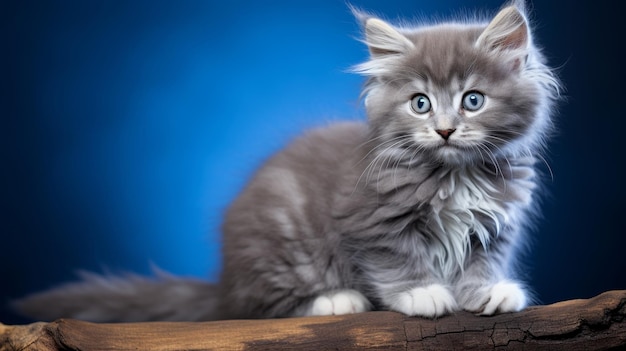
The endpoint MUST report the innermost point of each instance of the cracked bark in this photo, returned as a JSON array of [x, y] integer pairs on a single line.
[[594, 324]]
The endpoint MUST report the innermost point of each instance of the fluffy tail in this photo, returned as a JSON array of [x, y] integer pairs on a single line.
[[128, 298]]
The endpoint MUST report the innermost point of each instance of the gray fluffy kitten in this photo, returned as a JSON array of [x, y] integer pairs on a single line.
[[421, 210]]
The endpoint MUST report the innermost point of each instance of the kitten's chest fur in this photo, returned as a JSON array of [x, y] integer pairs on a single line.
[[449, 210], [471, 206]]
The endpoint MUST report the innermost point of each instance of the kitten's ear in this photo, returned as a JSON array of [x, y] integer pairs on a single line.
[[382, 39], [507, 33], [385, 43]]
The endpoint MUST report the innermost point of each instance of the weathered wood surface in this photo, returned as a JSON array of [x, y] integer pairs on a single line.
[[594, 324]]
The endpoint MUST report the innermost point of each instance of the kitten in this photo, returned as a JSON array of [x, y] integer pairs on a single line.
[[421, 210]]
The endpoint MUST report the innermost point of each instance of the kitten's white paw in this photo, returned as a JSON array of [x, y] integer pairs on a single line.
[[430, 301], [339, 302], [505, 297]]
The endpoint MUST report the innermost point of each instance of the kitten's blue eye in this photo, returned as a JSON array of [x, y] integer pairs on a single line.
[[473, 101], [420, 104]]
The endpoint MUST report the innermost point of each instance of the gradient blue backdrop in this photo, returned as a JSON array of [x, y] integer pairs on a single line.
[[128, 126]]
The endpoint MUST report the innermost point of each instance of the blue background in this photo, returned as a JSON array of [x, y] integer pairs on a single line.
[[128, 126]]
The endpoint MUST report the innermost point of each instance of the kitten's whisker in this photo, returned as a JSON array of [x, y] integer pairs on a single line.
[[380, 157], [371, 140], [417, 151], [505, 131], [381, 145], [494, 160], [385, 144], [502, 156], [400, 159], [477, 148], [386, 161], [490, 155]]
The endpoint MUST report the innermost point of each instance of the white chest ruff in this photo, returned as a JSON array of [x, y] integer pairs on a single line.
[[467, 204]]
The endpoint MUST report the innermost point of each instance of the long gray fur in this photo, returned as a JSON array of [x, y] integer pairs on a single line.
[[386, 214]]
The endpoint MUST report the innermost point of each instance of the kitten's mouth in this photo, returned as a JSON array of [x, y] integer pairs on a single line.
[[448, 147], [447, 144], [452, 152]]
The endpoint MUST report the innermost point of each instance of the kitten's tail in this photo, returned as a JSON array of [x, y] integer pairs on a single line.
[[128, 298]]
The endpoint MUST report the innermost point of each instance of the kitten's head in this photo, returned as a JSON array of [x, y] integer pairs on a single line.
[[458, 92]]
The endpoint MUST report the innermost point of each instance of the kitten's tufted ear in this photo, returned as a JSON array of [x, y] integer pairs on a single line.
[[382, 39], [507, 33], [385, 43]]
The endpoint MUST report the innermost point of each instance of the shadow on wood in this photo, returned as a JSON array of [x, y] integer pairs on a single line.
[[594, 324]]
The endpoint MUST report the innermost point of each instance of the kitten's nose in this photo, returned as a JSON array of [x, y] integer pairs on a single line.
[[445, 133]]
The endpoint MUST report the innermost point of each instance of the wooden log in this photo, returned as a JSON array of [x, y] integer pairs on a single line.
[[594, 324]]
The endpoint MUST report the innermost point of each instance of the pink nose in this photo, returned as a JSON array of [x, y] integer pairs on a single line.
[[445, 133]]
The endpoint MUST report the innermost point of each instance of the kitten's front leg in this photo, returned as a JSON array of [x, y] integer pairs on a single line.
[[484, 288], [412, 290]]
